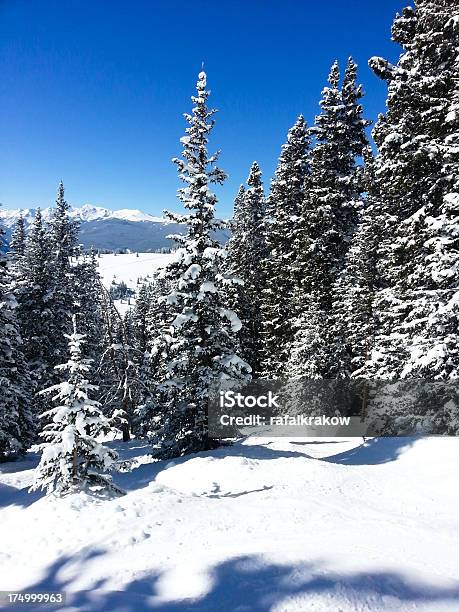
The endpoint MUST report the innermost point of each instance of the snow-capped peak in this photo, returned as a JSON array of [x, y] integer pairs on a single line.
[[135, 215], [88, 212], [85, 213]]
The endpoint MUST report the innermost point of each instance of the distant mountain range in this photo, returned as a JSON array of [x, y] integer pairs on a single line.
[[110, 230]]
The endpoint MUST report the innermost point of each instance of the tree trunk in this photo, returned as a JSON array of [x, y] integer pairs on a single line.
[[74, 463], [126, 432]]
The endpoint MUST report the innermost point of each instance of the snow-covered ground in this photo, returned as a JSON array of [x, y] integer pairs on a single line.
[[131, 269], [312, 524]]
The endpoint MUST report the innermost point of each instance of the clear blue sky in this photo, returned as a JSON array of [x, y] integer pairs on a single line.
[[93, 91]]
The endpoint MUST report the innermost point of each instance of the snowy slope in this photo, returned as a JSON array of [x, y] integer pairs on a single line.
[[132, 269], [107, 229], [263, 525]]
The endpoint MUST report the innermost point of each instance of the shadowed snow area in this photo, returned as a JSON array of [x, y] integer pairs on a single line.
[[307, 524]]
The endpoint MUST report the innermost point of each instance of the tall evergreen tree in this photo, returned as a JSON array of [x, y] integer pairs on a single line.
[[88, 304], [153, 367], [118, 369], [245, 262], [140, 316], [234, 247], [201, 344], [417, 180], [235, 252], [354, 291], [237, 220], [17, 424], [47, 291], [284, 207], [64, 247], [329, 218], [354, 125], [16, 253], [309, 357], [72, 458], [18, 239], [50, 289], [34, 291]]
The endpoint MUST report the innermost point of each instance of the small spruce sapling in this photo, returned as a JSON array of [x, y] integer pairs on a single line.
[[72, 458]]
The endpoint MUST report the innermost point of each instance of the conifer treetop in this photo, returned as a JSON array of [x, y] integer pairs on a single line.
[[64, 229], [197, 168], [254, 178], [18, 238]]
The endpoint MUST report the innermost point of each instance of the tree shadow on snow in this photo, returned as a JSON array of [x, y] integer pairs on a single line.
[[129, 450], [259, 451], [318, 442], [373, 452], [249, 584], [11, 496], [20, 464]]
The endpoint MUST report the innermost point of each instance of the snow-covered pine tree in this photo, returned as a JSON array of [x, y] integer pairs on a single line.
[[159, 311], [356, 286], [64, 247], [236, 225], [118, 369], [308, 351], [354, 125], [141, 337], [245, 262], [236, 221], [33, 279], [329, 216], [234, 250], [17, 424], [72, 457], [153, 367], [202, 340], [140, 317], [18, 239], [16, 252], [88, 302], [417, 180], [284, 208], [50, 289]]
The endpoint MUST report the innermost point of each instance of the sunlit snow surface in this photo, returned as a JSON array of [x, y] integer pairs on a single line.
[[131, 269], [307, 524]]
